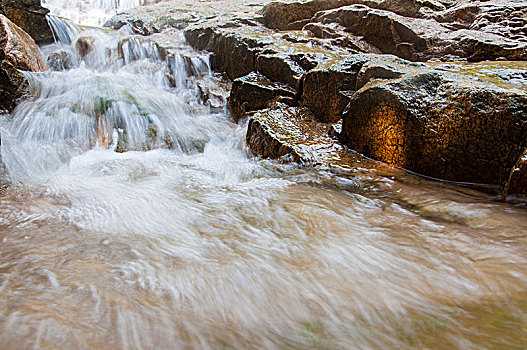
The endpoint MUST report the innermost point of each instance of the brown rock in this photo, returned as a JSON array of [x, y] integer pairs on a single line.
[[517, 183], [12, 86], [419, 39], [326, 88], [292, 15], [84, 45], [292, 134], [280, 67], [240, 48], [278, 15], [254, 92], [31, 17], [18, 51], [441, 125], [235, 48], [19, 48]]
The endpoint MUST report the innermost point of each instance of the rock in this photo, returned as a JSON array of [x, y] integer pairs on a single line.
[[234, 48], [84, 45], [279, 66], [325, 88], [439, 124], [12, 86], [19, 48], [60, 60], [384, 67], [517, 183], [419, 39], [136, 47], [18, 51], [149, 19], [254, 92], [328, 88], [292, 134], [31, 17], [291, 15], [279, 15], [240, 47]]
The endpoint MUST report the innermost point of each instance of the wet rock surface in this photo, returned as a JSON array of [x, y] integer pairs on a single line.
[[30, 16], [294, 134], [438, 124], [254, 92], [360, 60], [18, 51], [517, 183], [414, 30]]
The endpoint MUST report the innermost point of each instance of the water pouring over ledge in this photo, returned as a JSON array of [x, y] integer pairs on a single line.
[[184, 241]]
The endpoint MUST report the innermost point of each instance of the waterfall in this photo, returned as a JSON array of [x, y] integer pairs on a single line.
[[64, 30], [89, 12]]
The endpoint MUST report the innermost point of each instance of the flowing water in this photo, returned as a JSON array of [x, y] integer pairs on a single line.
[[186, 241]]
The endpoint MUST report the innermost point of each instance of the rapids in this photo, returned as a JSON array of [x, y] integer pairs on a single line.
[[187, 241]]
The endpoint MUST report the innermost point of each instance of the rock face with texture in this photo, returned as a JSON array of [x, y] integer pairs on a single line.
[[18, 51], [517, 183], [353, 62], [416, 30], [30, 16], [242, 46], [292, 134], [254, 92], [419, 39], [438, 124]]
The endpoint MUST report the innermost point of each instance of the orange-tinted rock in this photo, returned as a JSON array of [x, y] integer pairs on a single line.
[[517, 184], [438, 124]]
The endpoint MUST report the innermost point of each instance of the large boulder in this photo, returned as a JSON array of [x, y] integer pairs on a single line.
[[327, 89], [443, 125], [30, 16], [18, 51]]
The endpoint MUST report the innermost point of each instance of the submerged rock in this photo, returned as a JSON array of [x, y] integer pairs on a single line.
[[439, 124], [18, 51], [84, 45], [30, 16], [136, 47], [61, 60]]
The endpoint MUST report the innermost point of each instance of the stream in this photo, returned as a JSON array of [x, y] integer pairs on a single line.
[[187, 241]]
